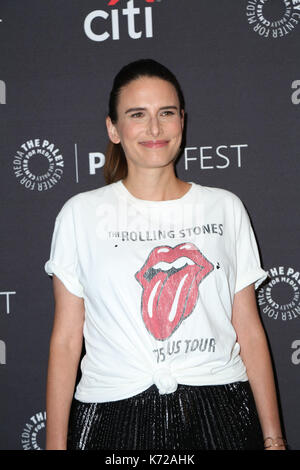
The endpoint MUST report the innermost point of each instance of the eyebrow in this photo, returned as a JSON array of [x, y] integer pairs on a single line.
[[130, 110]]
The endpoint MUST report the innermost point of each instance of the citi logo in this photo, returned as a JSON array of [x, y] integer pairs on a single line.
[[99, 25], [2, 92], [2, 352]]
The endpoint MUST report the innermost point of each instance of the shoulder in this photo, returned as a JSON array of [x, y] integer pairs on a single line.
[[219, 195], [81, 202]]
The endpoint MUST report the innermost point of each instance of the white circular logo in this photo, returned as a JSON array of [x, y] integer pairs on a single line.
[[280, 297], [38, 164], [33, 434], [273, 18]]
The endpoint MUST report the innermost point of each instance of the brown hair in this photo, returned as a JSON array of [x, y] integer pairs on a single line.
[[115, 167]]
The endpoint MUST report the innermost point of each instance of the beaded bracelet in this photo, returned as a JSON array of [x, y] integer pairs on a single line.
[[284, 443]]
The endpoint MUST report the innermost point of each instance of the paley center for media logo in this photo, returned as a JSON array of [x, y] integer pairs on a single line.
[[100, 25], [33, 433], [38, 164], [280, 298], [273, 19]]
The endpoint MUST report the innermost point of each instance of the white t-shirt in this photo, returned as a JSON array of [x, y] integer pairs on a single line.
[[158, 280]]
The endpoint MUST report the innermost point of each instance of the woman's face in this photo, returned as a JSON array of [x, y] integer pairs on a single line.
[[149, 125]]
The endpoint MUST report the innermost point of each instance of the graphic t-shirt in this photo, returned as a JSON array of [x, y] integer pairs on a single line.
[[158, 279]]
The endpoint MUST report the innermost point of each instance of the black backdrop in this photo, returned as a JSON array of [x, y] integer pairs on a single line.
[[238, 63]]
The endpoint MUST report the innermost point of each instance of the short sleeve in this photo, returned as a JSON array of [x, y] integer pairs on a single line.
[[248, 266], [63, 261]]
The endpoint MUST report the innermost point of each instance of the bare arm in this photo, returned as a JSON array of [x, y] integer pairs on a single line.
[[256, 357], [64, 355]]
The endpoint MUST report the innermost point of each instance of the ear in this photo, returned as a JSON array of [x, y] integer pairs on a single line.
[[182, 118], [112, 131]]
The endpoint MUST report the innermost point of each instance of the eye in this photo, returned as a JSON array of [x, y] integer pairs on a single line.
[[167, 113], [137, 115]]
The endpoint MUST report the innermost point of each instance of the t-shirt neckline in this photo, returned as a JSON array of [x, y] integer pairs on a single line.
[[123, 191]]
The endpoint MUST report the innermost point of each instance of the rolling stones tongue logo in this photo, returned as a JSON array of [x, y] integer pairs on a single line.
[[170, 278]]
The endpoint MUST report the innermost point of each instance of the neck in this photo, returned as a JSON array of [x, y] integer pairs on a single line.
[[155, 186]]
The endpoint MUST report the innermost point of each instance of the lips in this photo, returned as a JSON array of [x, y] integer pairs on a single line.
[[154, 143], [170, 278]]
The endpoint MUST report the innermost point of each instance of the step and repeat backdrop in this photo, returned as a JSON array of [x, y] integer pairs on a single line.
[[238, 63]]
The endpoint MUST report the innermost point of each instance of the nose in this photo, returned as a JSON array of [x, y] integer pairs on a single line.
[[154, 126]]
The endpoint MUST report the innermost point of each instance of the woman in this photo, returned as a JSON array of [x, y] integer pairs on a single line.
[[158, 276]]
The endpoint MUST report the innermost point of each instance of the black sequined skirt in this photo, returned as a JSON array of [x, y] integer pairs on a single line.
[[218, 417]]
